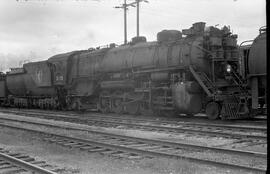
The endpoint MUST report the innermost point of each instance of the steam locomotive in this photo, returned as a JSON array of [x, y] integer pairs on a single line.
[[196, 70]]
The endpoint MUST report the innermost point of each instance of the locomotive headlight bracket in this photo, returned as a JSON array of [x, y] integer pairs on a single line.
[[228, 68]]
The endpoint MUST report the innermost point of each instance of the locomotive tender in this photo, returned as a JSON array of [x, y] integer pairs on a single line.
[[196, 70], [253, 68]]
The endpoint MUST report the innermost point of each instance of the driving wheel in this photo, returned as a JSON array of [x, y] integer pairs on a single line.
[[117, 102]]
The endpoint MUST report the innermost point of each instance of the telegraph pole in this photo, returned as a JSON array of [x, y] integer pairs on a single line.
[[138, 18], [138, 15], [125, 21], [125, 7]]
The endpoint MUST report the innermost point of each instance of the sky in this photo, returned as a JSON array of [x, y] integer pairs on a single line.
[[33, 30]]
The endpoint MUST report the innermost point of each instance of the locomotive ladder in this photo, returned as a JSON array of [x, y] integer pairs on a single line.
[[233, 109], [204, 82], [237, 79]]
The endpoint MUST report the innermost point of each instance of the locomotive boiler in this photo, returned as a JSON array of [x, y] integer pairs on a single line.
[[196, 70], [183, 72]]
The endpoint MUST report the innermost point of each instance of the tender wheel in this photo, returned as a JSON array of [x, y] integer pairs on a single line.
[[212, 110]]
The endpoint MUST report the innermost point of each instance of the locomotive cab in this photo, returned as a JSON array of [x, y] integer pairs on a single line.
[[59, 66]]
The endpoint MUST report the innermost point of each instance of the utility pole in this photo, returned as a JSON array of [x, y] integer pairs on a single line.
[[138, 15], [125, 7], [138, 18], [125, 21]]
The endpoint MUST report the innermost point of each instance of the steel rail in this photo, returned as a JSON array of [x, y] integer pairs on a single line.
[[25, 165], [143, 152], [183, 123], [97, 115], [163, 128]]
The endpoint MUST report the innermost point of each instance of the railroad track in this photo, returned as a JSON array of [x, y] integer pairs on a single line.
[[132, 147], [14, 163], [174, 122], [255, 134], [256, 122]]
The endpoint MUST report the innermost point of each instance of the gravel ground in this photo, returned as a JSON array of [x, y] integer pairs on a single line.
[[190, 138], [181, 138], [76, 161]]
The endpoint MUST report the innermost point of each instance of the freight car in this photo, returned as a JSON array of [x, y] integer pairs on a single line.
[[196, 70], [253, 68]]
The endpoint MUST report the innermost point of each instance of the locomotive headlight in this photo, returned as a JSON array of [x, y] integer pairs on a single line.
[[228, 68]]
